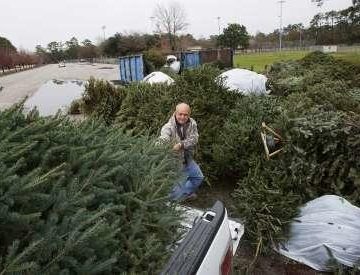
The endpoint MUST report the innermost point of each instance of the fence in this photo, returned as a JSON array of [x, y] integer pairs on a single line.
[[224, 56], [340, 48], [192, 59], [15, 68], [102, 60]]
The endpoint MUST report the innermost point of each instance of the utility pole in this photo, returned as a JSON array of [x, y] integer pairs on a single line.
[[218, 18], [280, 30], [103, 28], [153, 24]]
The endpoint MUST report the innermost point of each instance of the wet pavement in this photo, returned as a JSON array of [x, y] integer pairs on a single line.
[[55, 95], [23, 84]]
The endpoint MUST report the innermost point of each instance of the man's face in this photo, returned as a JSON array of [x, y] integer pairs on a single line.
[[182, 115]]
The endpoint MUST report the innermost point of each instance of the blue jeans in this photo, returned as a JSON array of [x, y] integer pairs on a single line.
[[193, 180]]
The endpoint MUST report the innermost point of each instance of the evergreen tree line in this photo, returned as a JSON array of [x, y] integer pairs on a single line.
[[329, 28]]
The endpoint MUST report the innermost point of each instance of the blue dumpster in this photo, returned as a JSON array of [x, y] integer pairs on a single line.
[[131, 68], [190, 60]]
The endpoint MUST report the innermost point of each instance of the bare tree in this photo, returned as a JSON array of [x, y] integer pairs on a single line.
[[170, 20]]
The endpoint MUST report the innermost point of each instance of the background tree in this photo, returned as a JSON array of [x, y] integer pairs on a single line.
[[170, 19], [72, 48], [133, 43], [56, 51], [6, 45], [7, 49], [111, 45], [234, 35], [319, 3], [260, 40], [336, 27], [42, 55], [88, 49], [152, 40]]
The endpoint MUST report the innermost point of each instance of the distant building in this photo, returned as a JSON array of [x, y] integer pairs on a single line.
[[194, 48], [324, 48]]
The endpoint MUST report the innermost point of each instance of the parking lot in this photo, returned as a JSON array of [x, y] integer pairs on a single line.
[[16, 86]]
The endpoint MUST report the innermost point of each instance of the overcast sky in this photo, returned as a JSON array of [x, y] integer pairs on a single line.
[[29, 23]]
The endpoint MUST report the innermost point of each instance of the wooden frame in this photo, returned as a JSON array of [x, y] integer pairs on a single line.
[[263, 138]]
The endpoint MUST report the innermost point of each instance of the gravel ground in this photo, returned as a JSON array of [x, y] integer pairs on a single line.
[[16, 86]]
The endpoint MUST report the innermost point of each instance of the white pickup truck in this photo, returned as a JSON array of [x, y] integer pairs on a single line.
[[209, 245]]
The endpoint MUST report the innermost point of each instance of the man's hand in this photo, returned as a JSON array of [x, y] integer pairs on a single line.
[[177, 147]]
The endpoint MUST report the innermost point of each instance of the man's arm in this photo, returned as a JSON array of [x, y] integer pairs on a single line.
[[165, 133], [192, 137]]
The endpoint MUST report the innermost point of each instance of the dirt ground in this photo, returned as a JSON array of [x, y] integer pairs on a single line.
[[271, 264], [14, 87]]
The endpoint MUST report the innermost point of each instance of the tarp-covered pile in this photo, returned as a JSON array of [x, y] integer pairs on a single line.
[[245, 81], [158, 77], [328, 228]]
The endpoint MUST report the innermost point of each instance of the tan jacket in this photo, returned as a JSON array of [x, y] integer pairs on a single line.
[[170, 134]]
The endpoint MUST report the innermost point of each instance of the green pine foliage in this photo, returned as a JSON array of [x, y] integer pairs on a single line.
[[147, 107], [314, 69], [322, 156], [320, 123], [239, 142], [101, 99], [82, 198], [266, 203], [315, 106]]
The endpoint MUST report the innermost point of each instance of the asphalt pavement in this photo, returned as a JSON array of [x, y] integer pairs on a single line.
[[16, 86]]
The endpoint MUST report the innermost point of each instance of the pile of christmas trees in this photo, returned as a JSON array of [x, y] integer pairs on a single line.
[[82, 198], [315, 106]]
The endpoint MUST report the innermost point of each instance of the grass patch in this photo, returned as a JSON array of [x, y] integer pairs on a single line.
[[258, 61], [352, 57]]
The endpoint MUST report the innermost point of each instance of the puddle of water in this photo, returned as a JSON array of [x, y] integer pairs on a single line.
[[54, 95]]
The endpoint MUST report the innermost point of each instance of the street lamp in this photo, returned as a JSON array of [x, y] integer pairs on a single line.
[[218, 19], [103, 28], [152, 20], [280, 31]]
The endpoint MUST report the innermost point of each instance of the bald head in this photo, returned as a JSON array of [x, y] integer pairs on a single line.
[[183, 107], [182, 113]]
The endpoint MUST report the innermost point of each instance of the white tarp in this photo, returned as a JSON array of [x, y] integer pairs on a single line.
[[158, 77], [245, 81], [172, 63], [326, 225]]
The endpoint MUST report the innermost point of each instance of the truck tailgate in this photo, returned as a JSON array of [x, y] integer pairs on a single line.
[[191, 215], [207, 238]]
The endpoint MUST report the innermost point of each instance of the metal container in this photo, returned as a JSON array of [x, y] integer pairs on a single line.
[[190, 60], [131, 68]]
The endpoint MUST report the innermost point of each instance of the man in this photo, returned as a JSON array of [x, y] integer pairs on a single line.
[[181, 131]]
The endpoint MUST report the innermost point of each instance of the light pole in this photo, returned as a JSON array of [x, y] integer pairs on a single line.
[[152, 20], [103, 28], [280, 31], [218, 19]]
